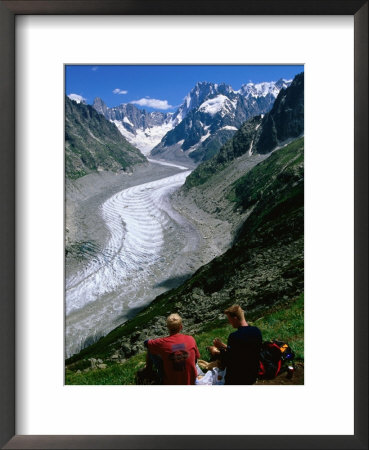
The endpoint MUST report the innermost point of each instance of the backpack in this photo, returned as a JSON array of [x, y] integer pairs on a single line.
[[273, 355]]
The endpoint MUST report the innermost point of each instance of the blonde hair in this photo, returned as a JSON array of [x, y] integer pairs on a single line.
[[235, 311], [174, 323]]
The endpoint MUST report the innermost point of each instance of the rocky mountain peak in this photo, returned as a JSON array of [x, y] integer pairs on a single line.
[[211, 114], [99, 105], [282, 83]]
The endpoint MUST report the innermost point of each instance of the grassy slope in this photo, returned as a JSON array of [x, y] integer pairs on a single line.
[[275, 189], [286, 324]]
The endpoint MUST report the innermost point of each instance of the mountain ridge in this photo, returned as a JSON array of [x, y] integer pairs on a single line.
[[160, 134], [260, 134], [214, 117], [92, 143]]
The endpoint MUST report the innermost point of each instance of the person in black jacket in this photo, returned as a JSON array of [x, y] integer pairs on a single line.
[[241, 354]]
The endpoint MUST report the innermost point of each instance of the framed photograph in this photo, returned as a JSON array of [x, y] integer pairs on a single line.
[[48, 45]]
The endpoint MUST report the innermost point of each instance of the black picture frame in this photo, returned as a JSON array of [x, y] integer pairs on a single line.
[[8, 11]]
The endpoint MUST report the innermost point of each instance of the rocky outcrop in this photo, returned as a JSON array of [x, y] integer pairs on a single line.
[[285, 120]]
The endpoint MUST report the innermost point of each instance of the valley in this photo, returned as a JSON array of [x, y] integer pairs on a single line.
[[128, 245]]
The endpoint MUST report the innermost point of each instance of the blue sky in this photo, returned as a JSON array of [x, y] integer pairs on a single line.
[[161, 87]]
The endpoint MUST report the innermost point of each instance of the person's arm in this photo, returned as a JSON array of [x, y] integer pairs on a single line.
[[194, 346], [225, 351], [219, 344], [153, 345]]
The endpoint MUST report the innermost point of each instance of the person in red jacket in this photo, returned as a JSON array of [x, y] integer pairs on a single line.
[[178, 353]]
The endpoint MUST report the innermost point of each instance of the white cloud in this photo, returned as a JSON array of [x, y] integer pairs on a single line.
[[119, 91], [77, 98], [153, 103]]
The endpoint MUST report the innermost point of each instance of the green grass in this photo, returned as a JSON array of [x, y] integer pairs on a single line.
[[270, 175], [115, 374], [283, 323]]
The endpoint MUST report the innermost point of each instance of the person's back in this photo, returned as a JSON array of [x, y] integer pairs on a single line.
[[243, 355], [178, 352]]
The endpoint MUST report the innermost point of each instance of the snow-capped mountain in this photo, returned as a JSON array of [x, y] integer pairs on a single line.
[[141, 128], [212, 114], [77, 98], [264, 89], [209, 116], [198, 95], [257, 136]]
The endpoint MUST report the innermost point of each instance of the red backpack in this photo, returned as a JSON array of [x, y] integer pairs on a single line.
[[273, 355]]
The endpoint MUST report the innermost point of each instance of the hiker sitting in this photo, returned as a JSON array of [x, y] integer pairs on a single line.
[[178, 353], [241, 354]]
